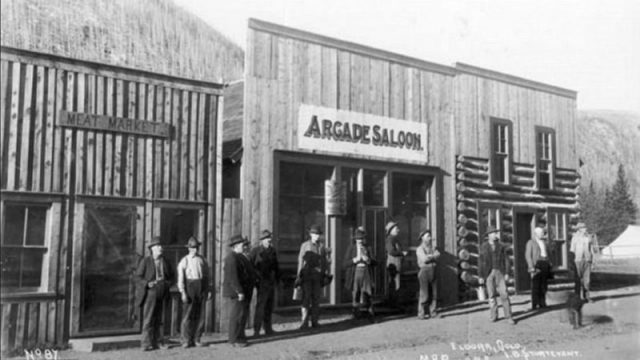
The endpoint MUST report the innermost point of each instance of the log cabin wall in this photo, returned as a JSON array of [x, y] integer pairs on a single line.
[[286, 68], [69, 170], [483, 95]]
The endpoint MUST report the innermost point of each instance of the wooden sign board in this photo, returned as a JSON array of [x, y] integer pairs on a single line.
[[349, 132], [335, 197], [114, 124]]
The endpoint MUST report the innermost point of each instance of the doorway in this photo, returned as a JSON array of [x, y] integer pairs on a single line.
[[524, 222]]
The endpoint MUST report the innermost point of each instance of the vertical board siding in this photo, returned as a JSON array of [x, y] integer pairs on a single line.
[[481, 98], [39, 157]]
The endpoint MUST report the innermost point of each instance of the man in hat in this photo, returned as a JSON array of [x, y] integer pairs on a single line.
[[427, 256], [584, 250], [537, 256], [358, 263], [153, 279], [193, 284], [312, 268], [236, 285], [264, 259], [493, 267], [394, 261]]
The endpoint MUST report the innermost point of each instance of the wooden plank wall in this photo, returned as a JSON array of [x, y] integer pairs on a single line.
[[480, 98], [38, 157], [286, 71]]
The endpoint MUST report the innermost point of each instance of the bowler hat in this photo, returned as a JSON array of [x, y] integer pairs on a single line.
[[193, 242], [359, 233], [236, 239], [265, 234], [154, 242], [390, 225], [490, 229], [315, 229]]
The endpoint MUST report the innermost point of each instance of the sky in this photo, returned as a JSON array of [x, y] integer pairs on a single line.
[[591, 46]]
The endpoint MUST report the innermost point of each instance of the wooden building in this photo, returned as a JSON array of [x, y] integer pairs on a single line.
[[97, 160], [344, 135]]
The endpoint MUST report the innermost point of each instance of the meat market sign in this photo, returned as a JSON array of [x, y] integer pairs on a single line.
[[112, 123], [321, 128]]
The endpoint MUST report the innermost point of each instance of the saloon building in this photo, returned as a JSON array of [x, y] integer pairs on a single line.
[[344, 135]]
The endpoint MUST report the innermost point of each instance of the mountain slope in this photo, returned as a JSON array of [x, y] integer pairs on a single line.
[[606, 138], [154, 35]]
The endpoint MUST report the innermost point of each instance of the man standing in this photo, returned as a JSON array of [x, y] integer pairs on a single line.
[[583, 249], [493, 271], [153, 279], [237, 283], [265, 262], [427, 256], [394, 261], [536, 255], [359, 263], [312, 268], [193, 284]]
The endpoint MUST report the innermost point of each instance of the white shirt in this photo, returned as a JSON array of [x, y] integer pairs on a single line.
[[191, 267], [543, 248]]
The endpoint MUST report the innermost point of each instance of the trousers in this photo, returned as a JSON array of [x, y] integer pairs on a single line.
[[583, 280], [497, 286], [264, 306], [237, 318], [311, 293], [192, 325], [427, 300], [152, 309]]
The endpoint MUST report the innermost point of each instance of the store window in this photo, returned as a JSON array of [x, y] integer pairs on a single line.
[[557, 232], [490, 216], [501, 151], [176, 226], [23, 245], [301, 204], [374, 187], [545, 158]]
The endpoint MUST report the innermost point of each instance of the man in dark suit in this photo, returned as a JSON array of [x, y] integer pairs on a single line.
[[153, 277], [264, 259], [236, 285]]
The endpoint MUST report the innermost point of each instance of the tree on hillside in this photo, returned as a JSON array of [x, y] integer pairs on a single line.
[[592, 208], [618, 210]]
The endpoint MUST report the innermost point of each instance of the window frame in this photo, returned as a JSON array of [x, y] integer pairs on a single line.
[[493, 152], [46, 247], [551, 166], [562, 244]]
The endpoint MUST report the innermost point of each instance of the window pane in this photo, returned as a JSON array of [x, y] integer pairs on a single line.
[[35, 225], [10, 264], [314, 179], [31, 267], [13, 225], [373, 187], [291, 178], [499, 168], [419, 189]]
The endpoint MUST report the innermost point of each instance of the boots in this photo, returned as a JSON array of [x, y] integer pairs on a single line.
[[305, 318]]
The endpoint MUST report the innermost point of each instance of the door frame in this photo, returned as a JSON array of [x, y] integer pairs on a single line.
[[78, 255], [519, 246]]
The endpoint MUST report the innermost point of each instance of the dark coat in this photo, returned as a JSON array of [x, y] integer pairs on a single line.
[[238, 276], [484, 263], [350, 267], [146, 273], [265, 263]]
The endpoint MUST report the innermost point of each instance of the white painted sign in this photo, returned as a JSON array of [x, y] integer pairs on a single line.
[[348, 132]]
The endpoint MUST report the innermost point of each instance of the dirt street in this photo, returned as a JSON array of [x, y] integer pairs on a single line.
[[611, 330]]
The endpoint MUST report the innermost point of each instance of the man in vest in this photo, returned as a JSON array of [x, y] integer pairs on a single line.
[[493, 267], [537, 257], [265, 261]]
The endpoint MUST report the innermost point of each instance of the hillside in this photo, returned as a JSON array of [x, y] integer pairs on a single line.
[[154, 35], [605, 139]]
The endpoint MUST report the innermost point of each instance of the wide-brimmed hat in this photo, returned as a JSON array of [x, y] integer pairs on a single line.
[[422, 233], [359, 233], [236, 239], [315, 229], [193, 242], [155, 241], [265, 234], [390, 225], [581, 225], [490, 229]]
